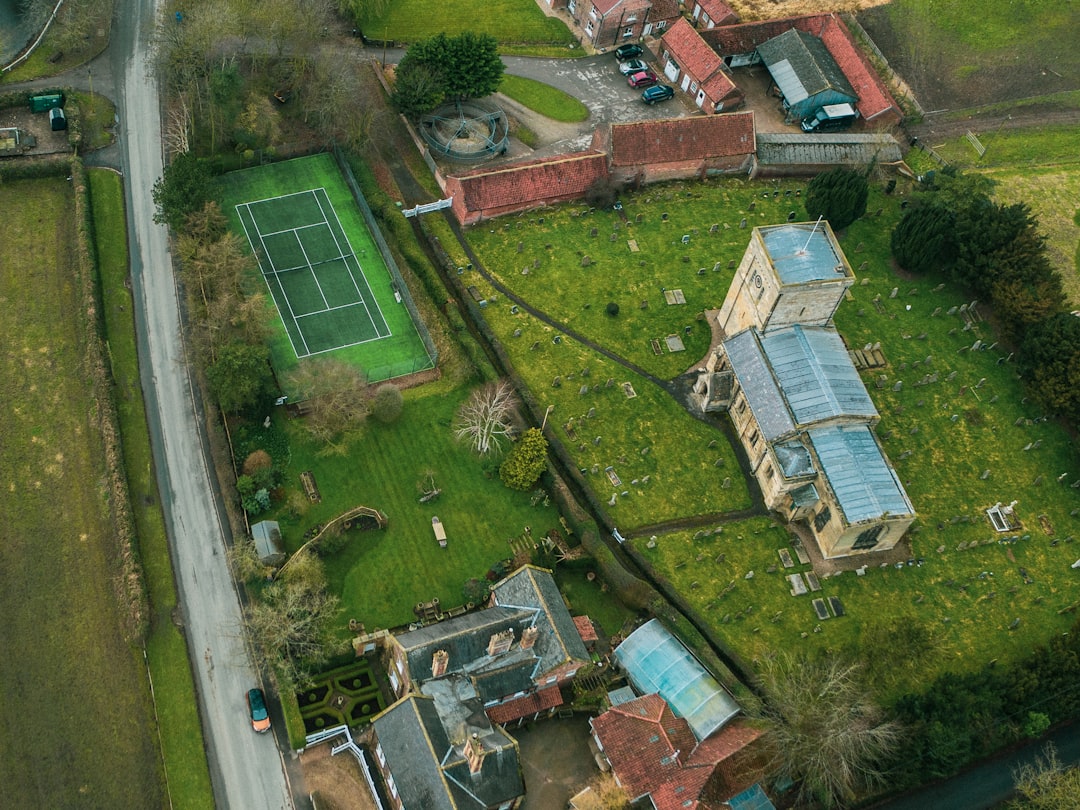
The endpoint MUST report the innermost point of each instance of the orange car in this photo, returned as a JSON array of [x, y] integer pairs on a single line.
[[260, 718]]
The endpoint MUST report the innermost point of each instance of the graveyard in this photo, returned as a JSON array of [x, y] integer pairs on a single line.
[[954, 422]]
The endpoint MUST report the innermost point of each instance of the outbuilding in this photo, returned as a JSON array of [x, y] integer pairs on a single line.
[[268, 545], [805, 74]]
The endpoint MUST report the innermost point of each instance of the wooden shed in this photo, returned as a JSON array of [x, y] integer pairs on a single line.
[[268, 545]]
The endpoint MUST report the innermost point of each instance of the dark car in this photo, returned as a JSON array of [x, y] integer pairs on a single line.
[[658, 92], [645, 78], [632, 66], [260, 718], [624, 52]]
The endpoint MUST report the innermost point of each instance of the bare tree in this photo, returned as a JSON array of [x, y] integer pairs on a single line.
[[292, 622], [336, 397], [824, 729], [486, 417], [1046, 784]]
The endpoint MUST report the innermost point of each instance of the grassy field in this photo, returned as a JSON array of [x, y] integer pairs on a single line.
[[174, 692], [544, 99], [380, 575], [401, 353], [77, 716], [519, 25]]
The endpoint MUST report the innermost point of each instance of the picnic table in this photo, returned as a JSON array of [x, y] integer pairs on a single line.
[[440, 532]]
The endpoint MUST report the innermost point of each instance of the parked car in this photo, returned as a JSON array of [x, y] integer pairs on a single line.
[[658, 92], [645, 78], [632, 66], [630, 51], [260, 717]]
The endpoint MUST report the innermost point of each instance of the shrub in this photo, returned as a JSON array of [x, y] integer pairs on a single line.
[[527, 460], [612, 309], [387, 403]]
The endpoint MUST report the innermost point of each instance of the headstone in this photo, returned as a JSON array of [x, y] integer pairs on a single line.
[[714, 226], [593, 232], [517, 333], [894, 292], [610, 382], [985, 475], [899, 386], [585, 261], [556, 382], [726, 484], [936, 312], [521, 247], [742, 223], [596, 441], [791, 216], [951, 377], [951, 311], [591, 413], [752, 205], [583, 390], [535, 346], [731, 265]]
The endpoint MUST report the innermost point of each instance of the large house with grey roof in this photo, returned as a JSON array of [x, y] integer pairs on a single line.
[[460, 680], [795, 398]]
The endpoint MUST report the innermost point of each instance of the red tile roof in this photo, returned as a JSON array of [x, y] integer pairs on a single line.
[[874, 97], [674, 140], [525, 706], [604, 7], [696, 58], [664, 10], [523, 183], [719, 11], [652, 751], [585, 628]]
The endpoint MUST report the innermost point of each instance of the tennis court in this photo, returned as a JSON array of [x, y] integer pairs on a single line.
[[312, 272], [332, 287]]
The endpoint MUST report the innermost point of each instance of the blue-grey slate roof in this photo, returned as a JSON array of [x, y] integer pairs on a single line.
[[802, 252], [806, 495], [534, 589], [815, 374], [431, 772], [464, 638], [802, 66], [794, 459], [758, 384], [866, 487]]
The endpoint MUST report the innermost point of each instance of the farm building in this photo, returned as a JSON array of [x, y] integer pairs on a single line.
[[689, 63], [796, 400], [267, 537], [805, 74]]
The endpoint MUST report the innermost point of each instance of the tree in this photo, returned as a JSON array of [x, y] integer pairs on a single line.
[[183, 189], [921, 241], [292, 621], [824, 730], [1050, 362], [240, 377], [336, 396], [387, 403], [604, 794], [839, 195], [486, 417], [1046, 784], [464, 66], [418, 88], [528, 458]]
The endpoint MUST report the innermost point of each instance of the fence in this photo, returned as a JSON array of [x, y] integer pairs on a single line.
[[395, 274]]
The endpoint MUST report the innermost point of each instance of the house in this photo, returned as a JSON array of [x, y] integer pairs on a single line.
[[688, 62], [267, 537], [672, 148], [610, 23], [711, 13], [654, 754], [797, 402], [431, 760], [737, 46], [805, 74], [655, 661], [511, 659]]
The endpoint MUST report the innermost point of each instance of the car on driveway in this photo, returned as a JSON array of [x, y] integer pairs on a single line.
[[632, 66], [260, 717], [658, 92], [630, 51], [645, 78]]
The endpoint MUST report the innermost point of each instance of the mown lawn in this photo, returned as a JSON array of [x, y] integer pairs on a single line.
[[544, 99], [514, 23], [381, 575], [174, 692], [77, 719]]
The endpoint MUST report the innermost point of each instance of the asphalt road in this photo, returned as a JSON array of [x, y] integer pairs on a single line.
[[246, 769]]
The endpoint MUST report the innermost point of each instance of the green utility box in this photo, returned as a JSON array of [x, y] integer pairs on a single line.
[[46, 102]]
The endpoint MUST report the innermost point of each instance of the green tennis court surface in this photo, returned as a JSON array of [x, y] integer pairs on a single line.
[[333, 294], [313, 275]]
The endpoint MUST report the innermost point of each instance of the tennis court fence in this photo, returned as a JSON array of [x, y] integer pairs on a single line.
[[399, 283]]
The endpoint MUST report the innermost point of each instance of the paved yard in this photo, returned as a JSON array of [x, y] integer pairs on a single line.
[[556, 761]]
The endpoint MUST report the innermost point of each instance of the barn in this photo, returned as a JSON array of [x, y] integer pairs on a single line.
[[804, 74]]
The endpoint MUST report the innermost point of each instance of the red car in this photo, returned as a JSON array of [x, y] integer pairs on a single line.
[[644, 78]]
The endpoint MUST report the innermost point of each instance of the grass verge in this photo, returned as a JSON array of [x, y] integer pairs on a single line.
[[517, 23], [544, 99], [174, 692]]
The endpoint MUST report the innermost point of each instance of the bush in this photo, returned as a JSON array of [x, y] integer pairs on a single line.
[[612, 309], [387, 404], [527, 460]]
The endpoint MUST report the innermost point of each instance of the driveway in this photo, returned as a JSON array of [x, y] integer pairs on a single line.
[[556, 760]]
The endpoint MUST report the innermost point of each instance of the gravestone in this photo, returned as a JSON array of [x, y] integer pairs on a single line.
[[985, 475], [583, 390], [585, 261], [591, 413], [936, 312], [557, 382], [593, 231], [731, 265], [535, 346], [752, 205], [610, 382], [951, 311], [517, 333], [521, 247], [713, 228], [894, 292], [596, 441], [791, 216], [742, 223], [899, 386], [726, 484]]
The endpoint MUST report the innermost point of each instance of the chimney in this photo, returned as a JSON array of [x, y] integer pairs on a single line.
[[474, 753], [439, 662], [500, 642], [528, 638]]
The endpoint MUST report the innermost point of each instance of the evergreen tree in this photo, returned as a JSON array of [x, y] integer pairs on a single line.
[[1050, 362], [526, 461], [921, 241], [839, 195]]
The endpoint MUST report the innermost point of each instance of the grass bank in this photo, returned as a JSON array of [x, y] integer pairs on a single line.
[[180, 732], [544, 99], [77, 714]]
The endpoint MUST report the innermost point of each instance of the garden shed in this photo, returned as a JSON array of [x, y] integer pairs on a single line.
[[268, 545], [805, 74]]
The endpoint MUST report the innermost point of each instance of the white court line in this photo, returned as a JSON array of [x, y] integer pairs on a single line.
[[292, 230], [329, 309], [271, 289], [361, 269], [315, 278]]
